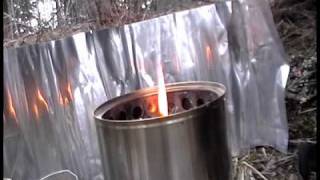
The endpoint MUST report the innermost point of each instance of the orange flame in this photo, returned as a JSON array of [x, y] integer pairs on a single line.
[[61, 99], [162, 94], [66, 101], [36, 111], [208, 53], [11, 108], [153, 108], [69, 90], [41, 98]]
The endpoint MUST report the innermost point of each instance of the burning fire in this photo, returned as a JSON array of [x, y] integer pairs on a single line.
[[41, 98], [66, 101], [36, 111], [208, 53], [60, 99], [69, 90], [162, 100], [152, 107], [162, 94], [11, 108], [67, 98], [63, 100]]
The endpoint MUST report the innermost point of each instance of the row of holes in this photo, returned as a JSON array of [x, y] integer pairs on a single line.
[[137, 111]]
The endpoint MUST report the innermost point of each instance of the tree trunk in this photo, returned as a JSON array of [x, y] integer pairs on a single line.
[[60, 17]]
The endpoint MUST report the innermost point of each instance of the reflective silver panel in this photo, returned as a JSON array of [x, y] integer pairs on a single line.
[[52, 89]]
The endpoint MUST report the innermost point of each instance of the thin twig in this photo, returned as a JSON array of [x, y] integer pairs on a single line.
[[254, 170], [308, 110]]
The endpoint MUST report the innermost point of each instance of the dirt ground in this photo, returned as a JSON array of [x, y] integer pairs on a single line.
[[296, 23]]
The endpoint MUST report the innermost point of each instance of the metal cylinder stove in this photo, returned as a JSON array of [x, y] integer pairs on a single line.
[[188, 144]]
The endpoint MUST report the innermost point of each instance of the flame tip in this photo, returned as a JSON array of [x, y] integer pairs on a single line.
[[36, 111], [11, 107], [162, 94], [41, 98]]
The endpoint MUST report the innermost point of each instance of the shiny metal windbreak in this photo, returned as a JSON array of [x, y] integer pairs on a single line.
[[52, 89]]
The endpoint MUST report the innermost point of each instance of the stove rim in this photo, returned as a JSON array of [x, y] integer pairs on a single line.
[[215, 87]]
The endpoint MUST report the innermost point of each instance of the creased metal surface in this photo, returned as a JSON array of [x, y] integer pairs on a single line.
[[52, 89]]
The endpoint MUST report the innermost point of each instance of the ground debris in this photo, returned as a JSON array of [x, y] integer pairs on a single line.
[[264, 163], [295, 20], [296, 23]]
